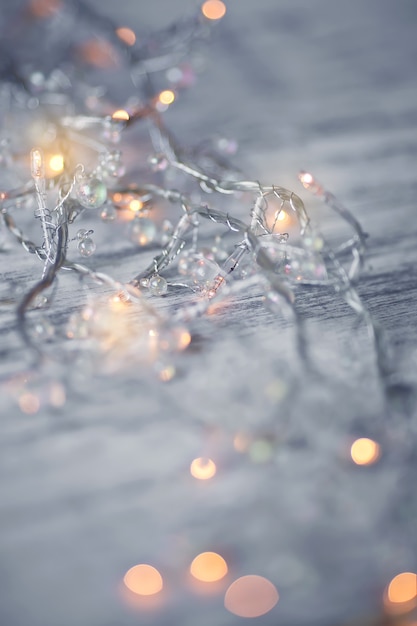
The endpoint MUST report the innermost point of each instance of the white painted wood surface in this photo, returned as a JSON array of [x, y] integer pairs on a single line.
[[103, 484]]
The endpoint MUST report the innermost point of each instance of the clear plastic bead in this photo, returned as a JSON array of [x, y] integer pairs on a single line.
[[203, 270], [111, 166], [86, 247], [143, 231], [158, 162], [112, 130], [108, 213], [91, 193], [43, 329], [158, 286], [185, 264], [227, 146], [82, 233]]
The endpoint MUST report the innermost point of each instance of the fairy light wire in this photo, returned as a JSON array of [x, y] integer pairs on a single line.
[[260, 242]]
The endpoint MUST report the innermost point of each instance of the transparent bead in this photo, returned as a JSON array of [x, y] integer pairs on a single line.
[[314, 243], [185, 264], [273, 302], [43, 329], [167, 230], [108, 213], [158, 286], [112, 130], [227, 146], [143, 231], [91, 193], [203, 270], [82, 233], [111, 165], [158, 162], [86, 247], [40, 302]]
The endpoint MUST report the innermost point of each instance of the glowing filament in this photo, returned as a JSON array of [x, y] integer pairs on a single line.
[[309, 182], [306, 179]]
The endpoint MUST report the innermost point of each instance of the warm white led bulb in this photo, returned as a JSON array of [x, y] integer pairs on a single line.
[[37, 164], [306, 179]]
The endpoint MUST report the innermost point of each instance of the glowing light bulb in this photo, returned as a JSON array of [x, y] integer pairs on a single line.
[[121, 115], [135, 205], [213, 9], [208, 567], [144, 580], [281, 216], [306, 179], [56, 163], [126, 35], [166, 97], [203, 469], [309, 182], [364, 451], [251, 596], [402, 588]]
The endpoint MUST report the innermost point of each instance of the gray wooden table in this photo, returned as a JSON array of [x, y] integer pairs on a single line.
[[102, 484]]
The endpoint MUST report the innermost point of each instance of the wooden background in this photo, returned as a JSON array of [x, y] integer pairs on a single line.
[[103, 484]]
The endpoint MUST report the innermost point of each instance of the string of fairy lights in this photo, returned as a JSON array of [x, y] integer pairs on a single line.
[[251, 250], [229, 232]]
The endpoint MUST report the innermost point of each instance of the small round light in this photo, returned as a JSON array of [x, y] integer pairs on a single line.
[[144, 580], [213, 9], [126, 35], [166, 97], [208, 567], [135, 205], [402, 588], [203, 469], [364, 451], [56, 163], [251, 596], [121, 115]]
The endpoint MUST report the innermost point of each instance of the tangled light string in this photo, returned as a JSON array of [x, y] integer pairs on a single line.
[[77, 168]]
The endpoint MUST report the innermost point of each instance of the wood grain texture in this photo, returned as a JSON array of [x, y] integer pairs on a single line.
[[103, 484]]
